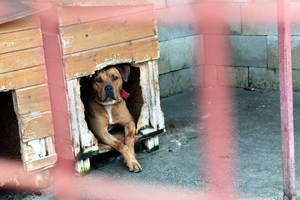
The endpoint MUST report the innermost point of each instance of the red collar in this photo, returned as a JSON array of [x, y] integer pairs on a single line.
[[124, 94]]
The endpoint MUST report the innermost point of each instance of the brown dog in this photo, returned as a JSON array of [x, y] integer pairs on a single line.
[[106, 107]]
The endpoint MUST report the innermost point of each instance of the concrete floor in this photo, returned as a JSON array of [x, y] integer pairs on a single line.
[[178, 161]]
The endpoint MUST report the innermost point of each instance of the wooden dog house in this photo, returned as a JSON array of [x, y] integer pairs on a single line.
[[95, 35], [25, 111]]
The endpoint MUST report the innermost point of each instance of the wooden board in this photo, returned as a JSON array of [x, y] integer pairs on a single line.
[[20, 40], [36, 126], [21, 24], [101, 2], [107, 32], [86, 63], [42, 163], [23, 78], [21, 59], [11, 10], [33, 99], [77, 15]]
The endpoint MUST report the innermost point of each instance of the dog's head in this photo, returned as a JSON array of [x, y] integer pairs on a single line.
[[107, 83]]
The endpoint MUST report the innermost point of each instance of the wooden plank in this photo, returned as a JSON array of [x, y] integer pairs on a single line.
[[23, 78], [11, 10], [86, 63], [76, 15], [42, 163], [21, 59], [102, 2], [21, 24], [107, 32], [36, 126], [286, 100], [20, 40], [33, 99]]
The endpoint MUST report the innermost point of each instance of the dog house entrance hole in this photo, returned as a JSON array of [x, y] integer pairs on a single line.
[[9, 134], [135, 100]]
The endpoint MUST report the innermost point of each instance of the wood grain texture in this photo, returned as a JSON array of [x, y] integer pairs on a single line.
[[76, 15], [21, 24], [36, 126], [42, 163], [107, 32], [20, 40], [86, 63], [33, 99], [23, 78], [21, 59], [102, 2]]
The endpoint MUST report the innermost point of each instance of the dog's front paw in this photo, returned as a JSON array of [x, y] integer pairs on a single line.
[[134, 165]]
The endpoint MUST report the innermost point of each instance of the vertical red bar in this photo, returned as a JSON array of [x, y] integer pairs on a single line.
[[63, 173], [215, 99], [286, 99]]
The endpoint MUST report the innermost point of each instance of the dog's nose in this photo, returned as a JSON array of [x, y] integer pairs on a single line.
[[108, 88]]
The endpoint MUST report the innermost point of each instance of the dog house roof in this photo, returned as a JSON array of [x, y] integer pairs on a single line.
[[11, 10]]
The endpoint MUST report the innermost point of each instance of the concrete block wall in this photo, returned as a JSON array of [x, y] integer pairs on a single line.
[[253, 45]]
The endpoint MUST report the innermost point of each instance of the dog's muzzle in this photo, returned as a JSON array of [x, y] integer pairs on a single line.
[[109, 93]]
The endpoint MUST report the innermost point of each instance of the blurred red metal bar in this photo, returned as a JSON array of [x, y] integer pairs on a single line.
[[286, 99], [215, 100], [63, 172]]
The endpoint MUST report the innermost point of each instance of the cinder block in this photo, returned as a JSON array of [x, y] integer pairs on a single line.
[[163, 61], [261, 18], [170, 27], [159, 3], [182, 52], [236, 76], [249, 51], [273, 52], [178, 2], [242, 50], [263, 78], [296, 80], [175, 82], [253, 16], [232, 18]]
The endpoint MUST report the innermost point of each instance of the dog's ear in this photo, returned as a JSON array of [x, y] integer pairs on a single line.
[[124, 71]]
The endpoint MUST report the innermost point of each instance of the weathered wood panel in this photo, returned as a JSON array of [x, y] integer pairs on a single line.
[[20, 40], [33, 99], [75, 15], [86, 63], [36, 126], [21, 24], [101, 3], [107, 32], [23, 78], [42, 163], [21, 59]]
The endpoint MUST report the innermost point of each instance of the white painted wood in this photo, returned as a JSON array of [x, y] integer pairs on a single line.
[[82, 138], [42, 147], [73, 115], [143, 120], [160, 115], [83, 166], [50, 145], [151, 143]]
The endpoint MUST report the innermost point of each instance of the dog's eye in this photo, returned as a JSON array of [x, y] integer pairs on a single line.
[[98, 80], [115, 78]]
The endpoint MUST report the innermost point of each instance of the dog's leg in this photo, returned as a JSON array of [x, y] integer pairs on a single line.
[[130, 136], [99, 127], [129, 157]]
